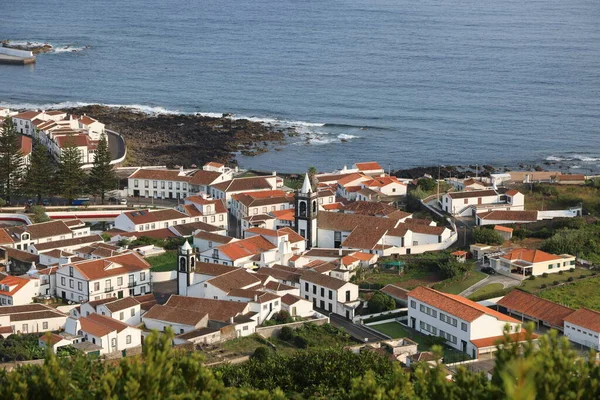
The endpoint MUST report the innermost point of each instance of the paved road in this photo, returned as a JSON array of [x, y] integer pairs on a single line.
[[116, 144], [358, 332], [506, 282]]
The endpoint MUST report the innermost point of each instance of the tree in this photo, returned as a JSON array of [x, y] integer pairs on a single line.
[[11, 160], [381, 302], [261, 354], [102, 175], [427, 184], [39, 214], [38, 181], [487, 236], [451, 268], [71, 177]]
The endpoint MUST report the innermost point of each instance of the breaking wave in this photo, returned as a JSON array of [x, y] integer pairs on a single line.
[[573, 157]]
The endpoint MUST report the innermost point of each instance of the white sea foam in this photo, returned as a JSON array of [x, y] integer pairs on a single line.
[[347, 137], [68, 49], [28, 44], [573, 157], [72, 104]]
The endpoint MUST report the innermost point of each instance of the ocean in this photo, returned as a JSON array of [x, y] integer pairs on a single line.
[[401, 82]]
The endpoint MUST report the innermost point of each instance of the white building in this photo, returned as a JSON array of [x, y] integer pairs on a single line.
[[470, 203], [583, 327], [22, 236], [147, 220], [202, 209], [526, 262], [65, 245], [127, 309], [466, 325], [124, 275], [16, 290], [108, 334], [296, 306], [330, 294], [225, 190], [31, 318]]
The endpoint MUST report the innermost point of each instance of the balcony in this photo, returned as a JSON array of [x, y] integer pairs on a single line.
[[109, 289], [132, 284]]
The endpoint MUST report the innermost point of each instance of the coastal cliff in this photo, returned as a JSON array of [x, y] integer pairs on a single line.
[[164, 139]]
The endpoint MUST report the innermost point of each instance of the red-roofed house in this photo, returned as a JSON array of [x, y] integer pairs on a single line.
[[369, 168], [470, 203], [107, 334], [16, 290], [94, 128], [526, 262], [466, 325], [209, 211], [583, 327]]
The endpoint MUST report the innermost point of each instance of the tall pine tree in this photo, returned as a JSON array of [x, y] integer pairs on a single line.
[[11, 160], [102, 175], [39, 176], [71, 178]]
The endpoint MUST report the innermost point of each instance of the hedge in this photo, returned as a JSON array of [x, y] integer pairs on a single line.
[[491, 295]]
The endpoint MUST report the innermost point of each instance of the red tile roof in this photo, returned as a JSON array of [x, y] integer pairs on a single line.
[[503, 228], [284, 215], [246, 247], [111, 266], [238, 278], [586, 318], [26, 144], [456, 306], [535, 307], [395, 291], [146, 216], [290, 299], [494, 340], [244, 184], [15, 283], [73, 140], [501, 215], [531, 256], [368, 166]]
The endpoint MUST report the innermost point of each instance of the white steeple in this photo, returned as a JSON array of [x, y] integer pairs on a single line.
[[186, 246], [306, 186]]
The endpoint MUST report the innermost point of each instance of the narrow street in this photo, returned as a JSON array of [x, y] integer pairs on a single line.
[[358, 332]]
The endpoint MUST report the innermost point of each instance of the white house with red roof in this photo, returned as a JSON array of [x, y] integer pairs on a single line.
[[465, 325], [225, 190], [522, 263], [30, 318], [369, 168], [200, 208], [127, 309], [148, 220], [470, 203], [17, 290], [384, 184], [95, 129], [583, 327], [106, 335], [124, 275]]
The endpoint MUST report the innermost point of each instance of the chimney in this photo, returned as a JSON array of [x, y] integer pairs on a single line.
[[340, 251], [181, 170], [274, 173], [255, 297], [231, 320]]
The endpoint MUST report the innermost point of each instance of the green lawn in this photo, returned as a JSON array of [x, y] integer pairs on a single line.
[[411, 278], [392, 329], [425, 342], [459, 286], [164, 262], [534, 286], [584, 293], [491, 288]]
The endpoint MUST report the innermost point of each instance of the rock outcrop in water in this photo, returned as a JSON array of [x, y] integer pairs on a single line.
[[35, 48], [164, 139]]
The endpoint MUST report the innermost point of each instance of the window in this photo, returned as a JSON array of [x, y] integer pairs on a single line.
[[322, 292], [330, 295], [128, 339], [135, 183], [70, 271], [212, 219], [413, 304], [62, 281], [184, 186], [113, 342], [463, 326], [314, 289], [146, 184], [466, 201], [306, 286], [347, 295], [44, 325], [96, 286], [25, 328], [245, 328], [133, 312], [550, 266], [120, 281], [162, 185], [210, 245], [428, 328], [107, 284], [170, 185], [79, 286], [221, 218], [177, 186], [142, 276], [121, 315], [264, 307], [154, 184], [71, 284]]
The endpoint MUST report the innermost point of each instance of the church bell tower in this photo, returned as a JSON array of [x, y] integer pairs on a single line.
[[186, 265], [307, 208]]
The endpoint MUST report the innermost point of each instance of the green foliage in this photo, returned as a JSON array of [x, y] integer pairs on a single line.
[[39, 175], [286, 333], [21, 347], [106, 237], [163, 262], [103, 177], [386, 316], [583, 242], [168, 244], [427, 184], [11, 160], [39, 214], [71, 177], [487, 236], [283, 317], [261, 354], [451, 268], [381, 302], [489, 294]]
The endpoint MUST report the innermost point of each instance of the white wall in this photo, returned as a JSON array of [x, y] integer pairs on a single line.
[[581, 335]]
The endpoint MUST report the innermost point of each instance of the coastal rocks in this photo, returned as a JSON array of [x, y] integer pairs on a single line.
[[35, 48], [164, 139]]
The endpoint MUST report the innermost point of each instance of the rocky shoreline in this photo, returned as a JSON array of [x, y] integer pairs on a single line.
[[165, 139], [29, 46]]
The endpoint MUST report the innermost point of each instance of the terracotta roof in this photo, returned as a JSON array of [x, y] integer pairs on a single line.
[[328, 253], [213, 237], [147, 216], [471, 181], [571, 177], [26, 144], [246, 247], [236, 279], [454, 305], [196, 333], [535, 307], [424, 229], [323, 280], [503, 228], [101, 325], [78, 140], [261, 297], [363, 256], [214, 164], [85, 120], [81, 240], [263, 231], [512, 192], [51, 338], [189, 228], [56, 253], [474, 193], [365, 237], [324, 267], [459, 253], [280, 274], [106, 267], [8, 310], [218, 310], [278, 286], [395, 291], [42, 230], [6, 330], [202, 177], [175, 315], [368, 166], [27, 115], [36, 315], [160, 175], [284, 215], [372, 208], [586, 318], [264, 198], [290, 299], [163, 233], [348, 222], [5, 237], [293, 237], [493, 341], [122, 304], [531, 256], [501, 215], [15, 283], [22, 255], [243, 184], [213, 269]]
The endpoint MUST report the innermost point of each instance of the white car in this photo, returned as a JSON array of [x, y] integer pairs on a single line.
[[123, 202]]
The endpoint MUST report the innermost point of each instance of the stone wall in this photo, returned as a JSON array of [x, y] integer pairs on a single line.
[[270, 331]]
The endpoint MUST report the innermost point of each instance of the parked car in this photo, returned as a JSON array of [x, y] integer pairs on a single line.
[[488, 270], [112, 200], [45, 202], [29, 203], [123, 202]]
